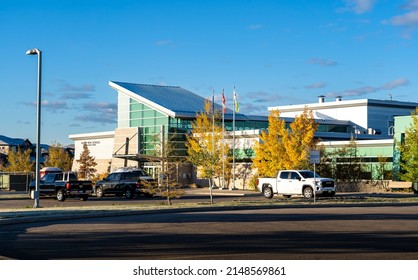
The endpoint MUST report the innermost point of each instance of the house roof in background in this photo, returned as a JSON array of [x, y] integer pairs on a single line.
[[8, 141]]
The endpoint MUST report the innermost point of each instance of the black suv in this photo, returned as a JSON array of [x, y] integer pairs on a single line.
[[125, 182]]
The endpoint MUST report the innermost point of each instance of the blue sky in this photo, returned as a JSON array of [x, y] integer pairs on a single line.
[[273, 52]]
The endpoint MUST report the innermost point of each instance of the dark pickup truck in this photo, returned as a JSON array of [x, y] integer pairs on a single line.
[[62, 185], [125, 182]]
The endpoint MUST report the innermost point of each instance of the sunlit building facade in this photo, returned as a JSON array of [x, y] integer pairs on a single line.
[[149, 115]]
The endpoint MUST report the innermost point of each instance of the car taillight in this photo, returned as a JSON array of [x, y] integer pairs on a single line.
[[258, 181], [68, 186]]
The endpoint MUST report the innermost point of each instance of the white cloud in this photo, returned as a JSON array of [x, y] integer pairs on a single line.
[[95, 118], [259, 101], [54, 106], [371, 89], [99, 112], [50, 105], [64, 86], [164, 42], [76, 95], [252, 108], [411, 5], [358, 6], [409, 19], [359, 91], [102, 107], [263, 97], [316, 85], [323, 62], [395, 83], [255, 26]]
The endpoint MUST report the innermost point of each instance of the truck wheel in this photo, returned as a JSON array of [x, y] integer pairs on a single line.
[[129, 193], [308, 192], [60, 195], [99, 192], [267, 192]]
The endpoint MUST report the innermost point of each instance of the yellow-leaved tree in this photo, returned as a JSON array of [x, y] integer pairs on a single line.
[[270, 152], [299, 140], [205, 145], [19, 161], [58, 157], [285, 148], [409, 151]]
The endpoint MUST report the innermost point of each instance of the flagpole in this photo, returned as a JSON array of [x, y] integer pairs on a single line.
[[223, 138], [213, 145], [233, 141]]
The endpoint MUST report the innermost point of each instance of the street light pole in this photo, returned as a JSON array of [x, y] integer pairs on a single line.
[[38, 125]]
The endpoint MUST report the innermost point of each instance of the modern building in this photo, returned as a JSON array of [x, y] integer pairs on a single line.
[[370, 154], [148, 115], [100, 145], [169, 111], [371, 123], [363, 117]]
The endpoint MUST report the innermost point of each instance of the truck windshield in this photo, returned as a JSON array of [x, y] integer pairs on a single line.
[[309, 174]]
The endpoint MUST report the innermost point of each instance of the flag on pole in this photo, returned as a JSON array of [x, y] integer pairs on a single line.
[[236, 101], [223, 102]]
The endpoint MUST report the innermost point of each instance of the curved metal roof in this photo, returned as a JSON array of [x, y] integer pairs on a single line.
[[171, 100]]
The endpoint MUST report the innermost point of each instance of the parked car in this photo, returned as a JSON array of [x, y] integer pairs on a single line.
[[296, 182], [62, 185], [127, 182]]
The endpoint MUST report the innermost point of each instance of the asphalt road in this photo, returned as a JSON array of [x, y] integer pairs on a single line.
[[306, 233]]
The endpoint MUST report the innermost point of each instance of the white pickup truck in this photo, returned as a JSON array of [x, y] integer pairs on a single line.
[[296, 182]]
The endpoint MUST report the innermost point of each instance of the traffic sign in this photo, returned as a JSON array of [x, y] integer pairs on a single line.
[[315, 157]]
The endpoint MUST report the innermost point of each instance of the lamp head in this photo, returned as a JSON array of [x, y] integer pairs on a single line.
[[33, 52]]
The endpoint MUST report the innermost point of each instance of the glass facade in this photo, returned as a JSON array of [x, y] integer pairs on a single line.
[[151, 122], [143, 116], [175, 129], [239, 125], [334, 128]]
